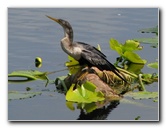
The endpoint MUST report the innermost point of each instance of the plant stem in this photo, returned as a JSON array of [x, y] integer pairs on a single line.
[[141, 83], [129, 73]]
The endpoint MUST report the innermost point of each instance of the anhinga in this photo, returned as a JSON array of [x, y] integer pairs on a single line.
[[82, 52]]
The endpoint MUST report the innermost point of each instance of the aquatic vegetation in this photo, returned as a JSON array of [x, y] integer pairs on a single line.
[[153, 41], [17, 95], [126, 51]]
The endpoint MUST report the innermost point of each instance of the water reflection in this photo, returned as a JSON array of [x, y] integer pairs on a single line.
[[100, 113]]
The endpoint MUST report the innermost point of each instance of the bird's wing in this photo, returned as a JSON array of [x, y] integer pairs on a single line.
[[93, 57], [97, 60], [91, 48]]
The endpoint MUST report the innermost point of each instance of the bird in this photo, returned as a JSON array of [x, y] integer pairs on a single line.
[[83, 52]]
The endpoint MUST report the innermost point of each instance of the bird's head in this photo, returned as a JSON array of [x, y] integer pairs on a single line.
[[66, 26]]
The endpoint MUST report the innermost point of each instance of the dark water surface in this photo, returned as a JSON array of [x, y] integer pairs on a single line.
[[32, 34]]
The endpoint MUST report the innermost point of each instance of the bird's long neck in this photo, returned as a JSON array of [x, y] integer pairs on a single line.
[[66, 42], [70, 48], [66, 45], [68, 33]]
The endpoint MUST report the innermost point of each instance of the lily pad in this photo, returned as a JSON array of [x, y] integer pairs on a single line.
[[153, 40], [135, 68], [131, 45], [29, 74], [73, 65], [15, 95], [127, 50], [84, 94], [115, 45], [153, 65], [134, 58], [88, 107], [71, 62], [142, 95], [149, 30]]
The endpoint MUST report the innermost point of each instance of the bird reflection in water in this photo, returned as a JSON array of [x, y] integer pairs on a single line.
[[100, 113]]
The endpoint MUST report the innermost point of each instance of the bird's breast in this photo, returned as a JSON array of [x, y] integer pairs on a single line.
[[76, 53]]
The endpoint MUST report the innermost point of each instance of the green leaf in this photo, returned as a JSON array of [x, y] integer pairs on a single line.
[[115, 45], [135, 68], [131, 45], [60, 83], [135, 102], [153, 65], [133, 57], [70, 105], [15, 95], [88, 107], [149, 30], [127, 49], [150, 78], [29, 74], [142, 95], [73, 65], [84, 94], [71, 62], [153, 40]]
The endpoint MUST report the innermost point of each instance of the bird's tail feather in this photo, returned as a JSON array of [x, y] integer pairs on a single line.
[[112, 68]]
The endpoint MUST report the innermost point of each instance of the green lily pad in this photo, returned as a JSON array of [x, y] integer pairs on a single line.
[[153, 40], [135, 68], [153, 65], [134, 58], [131, 45], [73, 65], [149, 30], [142, 95], [88, 107], [127, 49], [29, 74], [70, 105], [15, 95], [84, 94], [115, 45], [71, 62]]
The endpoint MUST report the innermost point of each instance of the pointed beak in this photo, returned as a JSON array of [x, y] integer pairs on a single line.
[[54, 19]]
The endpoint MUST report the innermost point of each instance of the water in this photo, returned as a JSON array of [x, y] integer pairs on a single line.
[[32, 34]]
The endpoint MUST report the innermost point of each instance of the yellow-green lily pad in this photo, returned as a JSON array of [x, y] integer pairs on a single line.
[[85, 93]]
